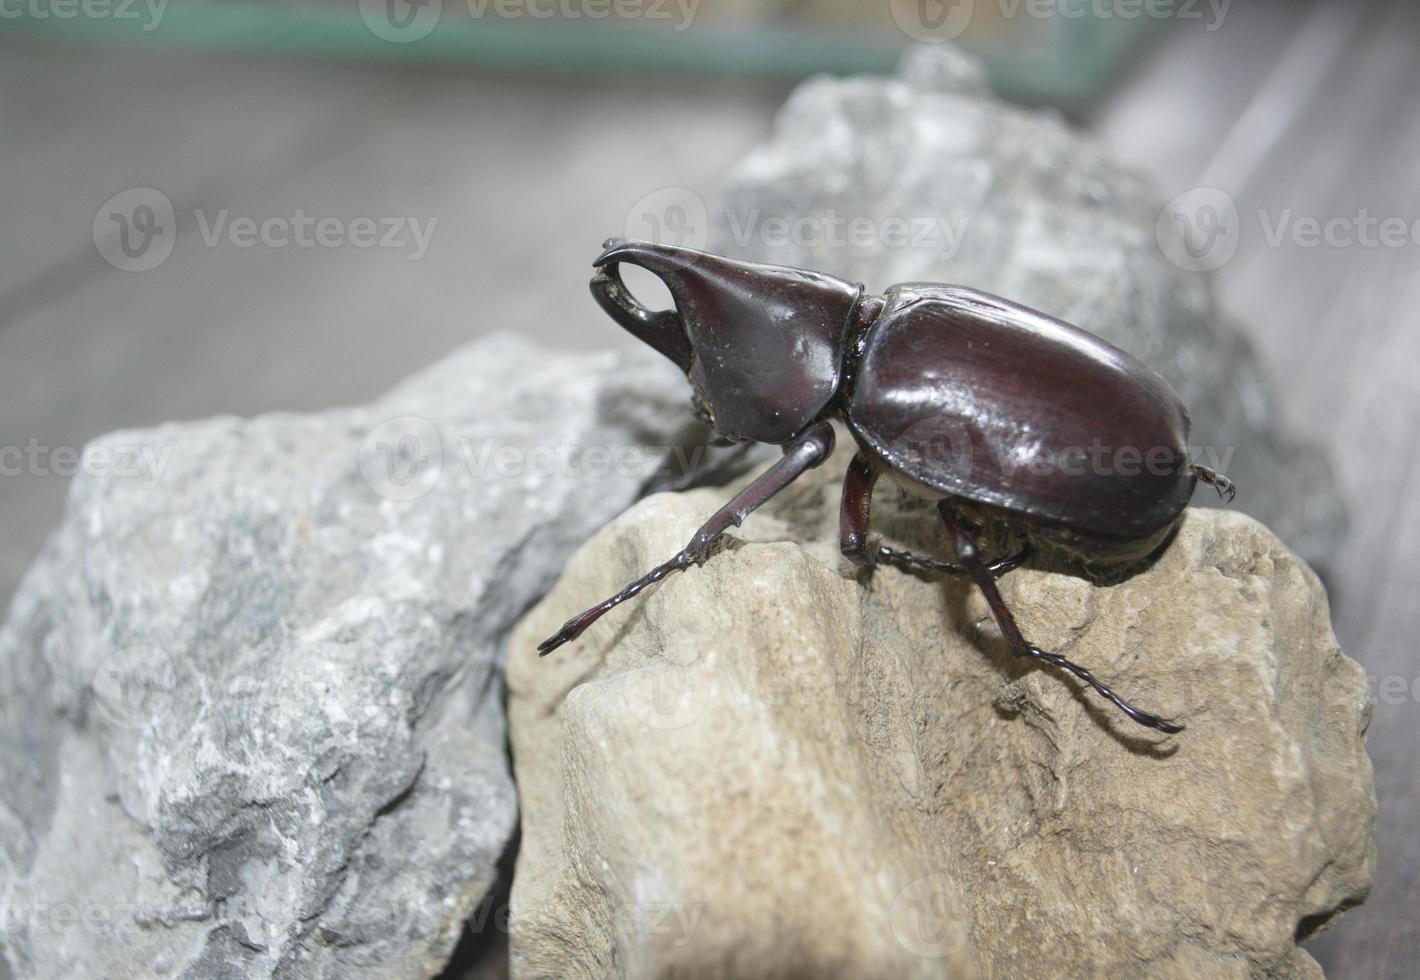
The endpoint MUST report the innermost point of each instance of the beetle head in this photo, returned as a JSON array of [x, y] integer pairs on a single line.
[[762, 345]]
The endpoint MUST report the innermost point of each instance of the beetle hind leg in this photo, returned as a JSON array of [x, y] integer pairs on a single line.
[[980, 572]]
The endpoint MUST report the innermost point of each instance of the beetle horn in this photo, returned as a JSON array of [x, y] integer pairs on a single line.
[[720, 301], [662, 330], [762, 344]]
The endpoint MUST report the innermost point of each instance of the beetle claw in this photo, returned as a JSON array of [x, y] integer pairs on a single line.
[[1226, 488]]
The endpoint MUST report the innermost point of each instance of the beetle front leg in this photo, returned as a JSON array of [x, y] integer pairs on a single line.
[[970, 559], [1226, 488], [803, 454]]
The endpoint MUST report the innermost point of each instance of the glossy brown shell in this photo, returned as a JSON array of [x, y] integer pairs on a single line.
[[969, 395]]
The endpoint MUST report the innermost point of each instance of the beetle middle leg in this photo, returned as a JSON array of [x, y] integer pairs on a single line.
[[812, 447], [859, 548], [967, 555]]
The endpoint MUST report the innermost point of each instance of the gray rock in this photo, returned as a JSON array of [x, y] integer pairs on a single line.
[[775, 766], [250, 697], [928, 177]]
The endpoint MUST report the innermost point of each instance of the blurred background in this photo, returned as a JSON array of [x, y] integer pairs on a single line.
[[510, 138]]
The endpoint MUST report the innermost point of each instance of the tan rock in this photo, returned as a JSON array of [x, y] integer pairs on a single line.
[[771, 766]]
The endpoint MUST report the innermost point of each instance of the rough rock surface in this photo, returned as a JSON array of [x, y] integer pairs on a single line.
[[772, 766], [250, 705], [928, 177]]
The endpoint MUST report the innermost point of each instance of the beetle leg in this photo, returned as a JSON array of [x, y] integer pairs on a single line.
[[854, 514], [853, 520], [803, 454], [1226, 488], [970, 559], [996, 568]]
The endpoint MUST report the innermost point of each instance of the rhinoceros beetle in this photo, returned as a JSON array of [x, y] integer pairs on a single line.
[[984, 406]]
